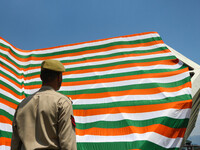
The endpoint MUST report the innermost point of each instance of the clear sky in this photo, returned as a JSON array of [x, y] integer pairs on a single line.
[[35, 24]]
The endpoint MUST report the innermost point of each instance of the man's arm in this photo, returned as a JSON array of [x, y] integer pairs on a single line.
[[66, 128]]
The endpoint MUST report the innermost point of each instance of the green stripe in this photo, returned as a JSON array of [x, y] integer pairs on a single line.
[[98, 66], [123, 74], [112, 89], [17, 73], [12, 89], [92, 57], [167, 121], [34, 83], [122, 63], [22, 82], [5, 134], [20, 66], [6, 114], [162, 49], [127, 87], [8, 99], [115, 64], [143, 145], [98, 77], [132, 103], [12, 78], [84, 48], [7, 66]]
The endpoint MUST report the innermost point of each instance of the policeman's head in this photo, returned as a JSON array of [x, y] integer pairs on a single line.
[[51, 73]]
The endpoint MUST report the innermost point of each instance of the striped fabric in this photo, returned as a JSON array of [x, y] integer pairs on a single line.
[[128, 92]]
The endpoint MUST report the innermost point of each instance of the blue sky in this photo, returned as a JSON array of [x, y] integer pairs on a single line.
[[35, 24]]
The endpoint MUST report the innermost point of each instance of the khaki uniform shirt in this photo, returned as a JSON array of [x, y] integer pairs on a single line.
[[44, 120]]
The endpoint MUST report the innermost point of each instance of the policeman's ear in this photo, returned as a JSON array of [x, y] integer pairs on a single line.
[[59, 81], [42, 75], [60, 77]]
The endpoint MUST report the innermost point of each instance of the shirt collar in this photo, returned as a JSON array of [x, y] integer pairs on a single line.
[[44, 88]]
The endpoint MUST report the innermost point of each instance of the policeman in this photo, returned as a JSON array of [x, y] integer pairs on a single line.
[[45, 119]]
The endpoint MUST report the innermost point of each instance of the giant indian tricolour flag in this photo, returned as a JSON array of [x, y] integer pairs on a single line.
[[129, 92]]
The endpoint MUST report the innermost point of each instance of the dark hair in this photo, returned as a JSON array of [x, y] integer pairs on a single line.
[[49, 75]]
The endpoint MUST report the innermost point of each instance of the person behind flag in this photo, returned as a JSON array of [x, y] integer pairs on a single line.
[[45, 119]]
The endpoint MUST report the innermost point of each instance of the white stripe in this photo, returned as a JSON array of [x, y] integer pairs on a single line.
[[84, 55], [172, 113], [12, 75], [5, 127], [124, 70], [20, 90], [31, 91], [4, 147], [101, 62], [12, 85], [67, 66], [68, 47], [113, 51], [13, 67], [149, 136], [123, 98], [10, 95], [32, 80], [89, 86], [23, 79], [118, 84], [15, 50], [109, 84], [115, 71], [71, 58], [21, 71], [26, 91], [7, 109], [18, 63], [99, 73], [78, 57], [132, 97]]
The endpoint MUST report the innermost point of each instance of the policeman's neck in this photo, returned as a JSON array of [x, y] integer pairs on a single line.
[[54, 86]]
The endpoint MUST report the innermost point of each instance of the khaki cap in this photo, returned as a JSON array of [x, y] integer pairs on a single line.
[[54, 65]]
